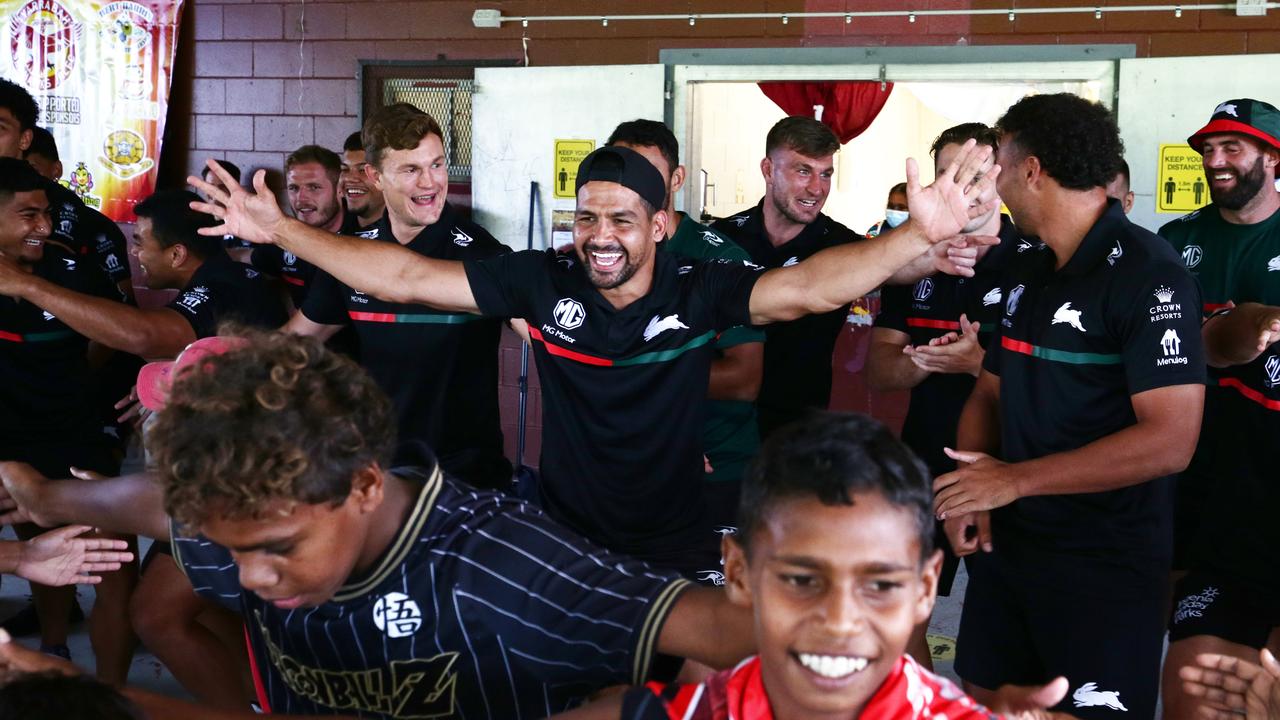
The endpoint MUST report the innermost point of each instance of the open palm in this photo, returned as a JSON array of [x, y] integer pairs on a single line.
[[61, 557], [252, 216], [964, 190]]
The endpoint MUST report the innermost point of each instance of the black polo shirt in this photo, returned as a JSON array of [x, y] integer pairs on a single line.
[[223, 290], [797, 354], [296, 273], [45, 381], [932, 308], [87, 232], [440, 368], [1073, 345], [622, 390]]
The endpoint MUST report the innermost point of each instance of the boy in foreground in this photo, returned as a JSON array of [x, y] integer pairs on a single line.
[[834, 557], [374, 592]]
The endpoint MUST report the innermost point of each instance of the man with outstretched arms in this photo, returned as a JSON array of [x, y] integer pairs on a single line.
[[622, 337], [440, 368]]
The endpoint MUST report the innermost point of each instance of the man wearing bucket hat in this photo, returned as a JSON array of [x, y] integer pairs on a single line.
[[1227, 602]]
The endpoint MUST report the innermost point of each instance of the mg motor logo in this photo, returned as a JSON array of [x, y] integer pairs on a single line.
[[569, 313], [1272, 368], [1191, 255], [924, 289]]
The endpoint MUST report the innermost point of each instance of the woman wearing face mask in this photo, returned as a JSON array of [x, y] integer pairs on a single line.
[[895, 210]]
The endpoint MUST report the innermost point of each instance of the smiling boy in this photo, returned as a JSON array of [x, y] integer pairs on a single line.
[[835, 560]]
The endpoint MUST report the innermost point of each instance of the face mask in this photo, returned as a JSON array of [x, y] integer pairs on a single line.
[[894, 218]]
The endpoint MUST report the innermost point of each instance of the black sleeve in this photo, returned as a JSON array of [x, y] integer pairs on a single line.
[[324, 303], [1160, 339], [209, 567], [199, 306], [267, 259], [894, 302], [727, 286], [553, 596], [502, 284]]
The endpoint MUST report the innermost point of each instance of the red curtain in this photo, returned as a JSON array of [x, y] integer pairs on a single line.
[[847, 107]]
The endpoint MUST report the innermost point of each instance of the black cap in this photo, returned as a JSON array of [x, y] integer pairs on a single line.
[[626, 167]]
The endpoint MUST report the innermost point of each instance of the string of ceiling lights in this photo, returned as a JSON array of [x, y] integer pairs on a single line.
[[1243, 8]]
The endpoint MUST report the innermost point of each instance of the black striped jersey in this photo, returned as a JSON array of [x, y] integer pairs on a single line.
[[1232, 478], [1072, 346], [932, 308], [46, 392], [622, 390], [439, 368], [481, 608]]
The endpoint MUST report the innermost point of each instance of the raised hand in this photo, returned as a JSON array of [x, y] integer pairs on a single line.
[[963, 191], [249, 215]]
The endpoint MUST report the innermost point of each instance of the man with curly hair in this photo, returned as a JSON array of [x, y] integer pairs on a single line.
[[1088, 401]]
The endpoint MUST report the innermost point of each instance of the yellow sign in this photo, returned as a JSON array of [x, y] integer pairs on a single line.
[[1180, 184], [569, 154], [941, 647]]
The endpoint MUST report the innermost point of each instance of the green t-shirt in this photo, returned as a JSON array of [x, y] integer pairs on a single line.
[[1232, 262], [730, 437]]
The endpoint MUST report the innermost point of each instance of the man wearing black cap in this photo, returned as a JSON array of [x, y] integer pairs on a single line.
[[1229, 601], [623, 338]]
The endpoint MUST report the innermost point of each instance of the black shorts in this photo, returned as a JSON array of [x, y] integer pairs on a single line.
[[1191, 496], [1206, 602], [1027, 620]]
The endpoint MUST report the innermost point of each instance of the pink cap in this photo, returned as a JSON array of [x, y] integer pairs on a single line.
[[155, 379]]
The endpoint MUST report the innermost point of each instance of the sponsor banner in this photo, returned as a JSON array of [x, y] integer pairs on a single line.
[[100, 72]]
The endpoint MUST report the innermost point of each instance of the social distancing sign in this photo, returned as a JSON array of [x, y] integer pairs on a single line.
[[569, 154], [1180, 183]]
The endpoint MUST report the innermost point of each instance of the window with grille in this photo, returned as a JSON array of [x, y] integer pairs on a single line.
[[449, 102], [442, 89]]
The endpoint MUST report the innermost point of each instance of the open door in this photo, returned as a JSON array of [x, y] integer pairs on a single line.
[[519, 114], [1163, 100]]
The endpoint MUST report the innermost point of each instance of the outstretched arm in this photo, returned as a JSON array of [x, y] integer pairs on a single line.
[[836, 276], [382, 269], [130, 505], [154, 333], [704, 626]]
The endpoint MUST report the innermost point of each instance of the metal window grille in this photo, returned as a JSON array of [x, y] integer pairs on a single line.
[[448, 100]]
